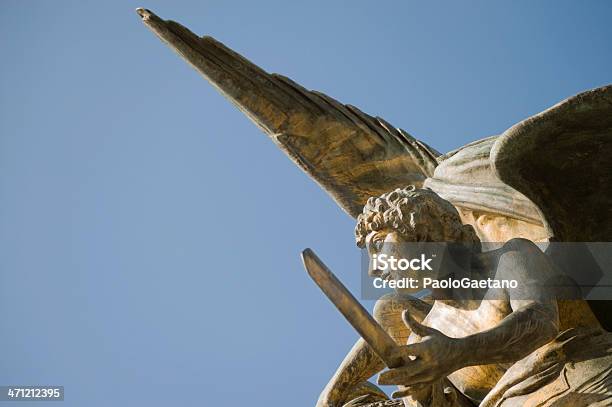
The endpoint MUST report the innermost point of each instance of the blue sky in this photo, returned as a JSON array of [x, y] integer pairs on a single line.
[[150, 234]]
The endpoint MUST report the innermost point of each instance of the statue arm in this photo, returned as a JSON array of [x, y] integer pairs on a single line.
[[437, 355], [532, 323], [534, 320], [520, 333]]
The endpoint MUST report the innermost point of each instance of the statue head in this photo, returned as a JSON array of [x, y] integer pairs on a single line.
[[408, 215]]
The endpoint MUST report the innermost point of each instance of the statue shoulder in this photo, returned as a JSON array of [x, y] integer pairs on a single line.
[[520, 244], [523, 259]]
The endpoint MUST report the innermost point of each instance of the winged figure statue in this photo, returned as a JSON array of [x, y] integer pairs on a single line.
[[545, 179]]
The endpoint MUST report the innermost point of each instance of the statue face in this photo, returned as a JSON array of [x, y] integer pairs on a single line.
[[498, 228], [387, 244]]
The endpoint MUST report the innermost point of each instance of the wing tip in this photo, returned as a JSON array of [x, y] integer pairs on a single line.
[[146, 14], [307, 256]]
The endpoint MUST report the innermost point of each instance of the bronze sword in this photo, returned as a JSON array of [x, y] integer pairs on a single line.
[[370, 330]]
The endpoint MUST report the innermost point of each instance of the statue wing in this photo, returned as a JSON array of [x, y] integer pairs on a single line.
[[561, 159], [352, 155]]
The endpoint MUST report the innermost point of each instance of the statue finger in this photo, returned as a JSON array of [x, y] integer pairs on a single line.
[[408, 391], [407, 375], [408, 353], [415, 326]]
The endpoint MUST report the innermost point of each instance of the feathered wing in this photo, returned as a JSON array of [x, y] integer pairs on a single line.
[[352, 155], [561, 159]]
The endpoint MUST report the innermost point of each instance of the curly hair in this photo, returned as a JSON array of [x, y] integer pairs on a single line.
[[419, 215]]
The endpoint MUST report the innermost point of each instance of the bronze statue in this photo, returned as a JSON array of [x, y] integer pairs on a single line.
[[509, 328], [546, 179]]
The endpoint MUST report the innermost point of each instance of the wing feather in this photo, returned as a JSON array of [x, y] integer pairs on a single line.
[[561, 159], [351, 154]]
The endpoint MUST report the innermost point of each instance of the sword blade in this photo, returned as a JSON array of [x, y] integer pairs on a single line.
[[370, 330]]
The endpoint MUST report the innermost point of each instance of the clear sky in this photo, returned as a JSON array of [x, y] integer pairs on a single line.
[[150, 234]]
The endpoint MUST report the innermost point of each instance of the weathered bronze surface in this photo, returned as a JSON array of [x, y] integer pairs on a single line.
[[548, 178]]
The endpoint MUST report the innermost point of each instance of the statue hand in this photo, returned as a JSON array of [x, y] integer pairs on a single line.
[[433, 358]]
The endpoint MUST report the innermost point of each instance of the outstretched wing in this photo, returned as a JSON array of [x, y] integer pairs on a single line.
[[561, 159], [352, 155]]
